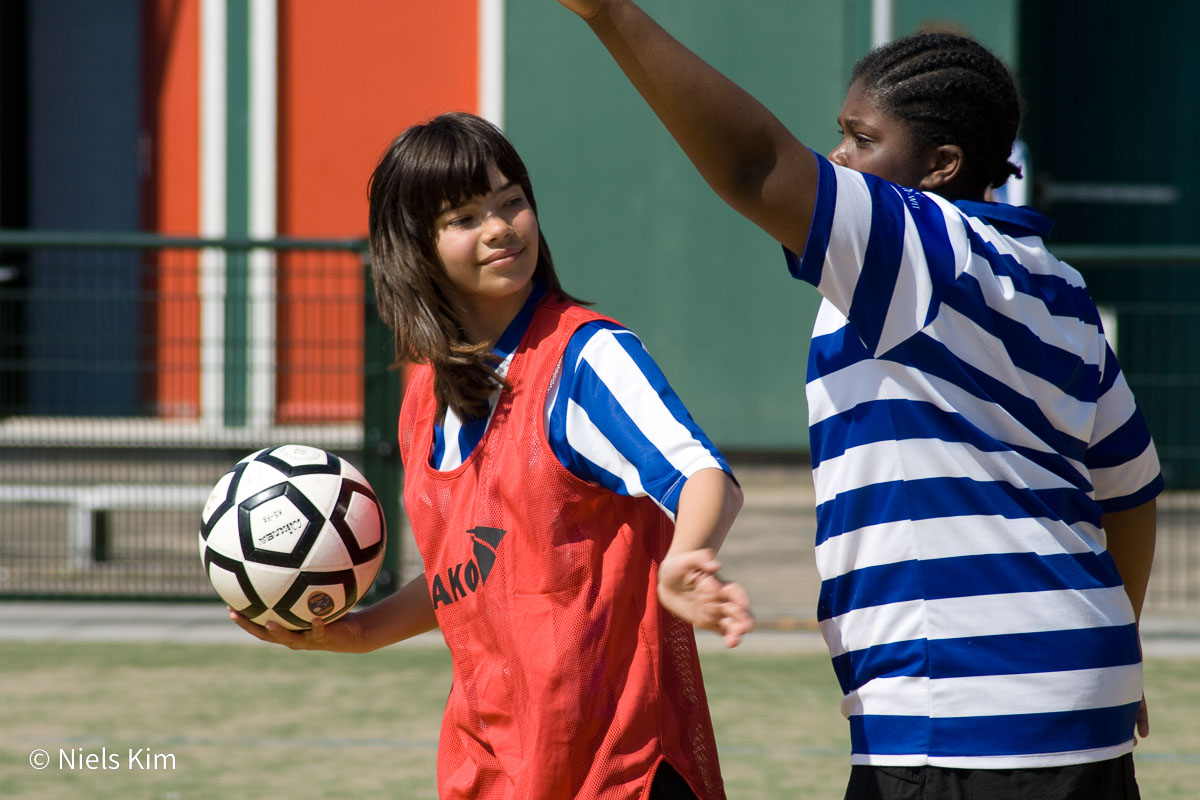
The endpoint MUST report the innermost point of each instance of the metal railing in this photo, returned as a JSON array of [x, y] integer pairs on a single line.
[[135, 369], [1152, 296]]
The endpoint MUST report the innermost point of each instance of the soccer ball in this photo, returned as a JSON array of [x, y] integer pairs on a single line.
[[292, 533]]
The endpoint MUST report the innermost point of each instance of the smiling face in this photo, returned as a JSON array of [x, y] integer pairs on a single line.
[[488, 246], [876, 142]]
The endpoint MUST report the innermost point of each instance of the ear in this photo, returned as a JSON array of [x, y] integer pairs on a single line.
[[944, 164]]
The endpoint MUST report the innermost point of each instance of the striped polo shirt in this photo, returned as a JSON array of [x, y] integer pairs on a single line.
[[969, 425], [611, 416]]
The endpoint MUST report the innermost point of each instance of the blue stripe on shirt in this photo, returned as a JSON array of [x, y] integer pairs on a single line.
[[927, 355], [996, 735], [935, 241], [809, 267], [1112, 370], [881, 263], [964, 576], [656, 473], [897, 420], [1065, 370], [979, 656], [1114, 449], [1062, 298], [930, 498]]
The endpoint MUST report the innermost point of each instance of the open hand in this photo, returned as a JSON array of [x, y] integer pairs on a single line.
[[343, 636], [690, 588]]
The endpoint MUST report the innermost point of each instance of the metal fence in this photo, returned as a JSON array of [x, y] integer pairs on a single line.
[[136, 369], [1150, 299]]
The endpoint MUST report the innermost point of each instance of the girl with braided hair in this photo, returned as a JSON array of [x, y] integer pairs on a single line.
[[985, 481]]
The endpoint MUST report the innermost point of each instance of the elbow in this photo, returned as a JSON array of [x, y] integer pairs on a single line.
[[734, 498]]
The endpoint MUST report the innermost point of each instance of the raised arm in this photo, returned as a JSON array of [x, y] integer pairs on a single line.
[[741, 149]]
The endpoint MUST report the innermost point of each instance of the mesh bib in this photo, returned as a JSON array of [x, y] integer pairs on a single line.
[[569, 680]]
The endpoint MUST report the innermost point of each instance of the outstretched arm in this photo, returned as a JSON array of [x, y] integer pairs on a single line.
[[402, 615], [688, 584], [741, 149]]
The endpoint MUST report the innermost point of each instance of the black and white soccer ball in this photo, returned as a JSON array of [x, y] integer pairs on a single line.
[[292, 533]]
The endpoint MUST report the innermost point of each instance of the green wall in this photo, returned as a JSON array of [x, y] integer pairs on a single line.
[[635, 230], [995, 23], [1114, 103]]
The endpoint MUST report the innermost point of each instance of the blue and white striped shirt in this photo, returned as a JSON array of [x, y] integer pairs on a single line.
[[611, 416], [969, 425]]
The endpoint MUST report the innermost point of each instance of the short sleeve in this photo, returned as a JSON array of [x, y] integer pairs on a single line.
[[613, 419], [1121, 458], [881, 254]]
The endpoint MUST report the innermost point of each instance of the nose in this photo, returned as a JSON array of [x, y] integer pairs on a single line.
[[838, 154], [496, 227]]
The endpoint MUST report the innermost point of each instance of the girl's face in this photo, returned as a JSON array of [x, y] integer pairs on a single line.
[[876, 142], [489, 246]]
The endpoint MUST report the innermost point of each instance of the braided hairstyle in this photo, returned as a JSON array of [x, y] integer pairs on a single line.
[[949, 89]]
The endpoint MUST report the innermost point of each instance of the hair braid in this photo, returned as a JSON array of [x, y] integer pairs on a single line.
[[949, 89]]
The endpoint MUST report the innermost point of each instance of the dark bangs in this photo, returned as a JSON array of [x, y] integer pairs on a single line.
[[447, 163]]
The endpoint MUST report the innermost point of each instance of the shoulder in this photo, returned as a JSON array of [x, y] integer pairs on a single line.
[[599, 342], [601, 334]]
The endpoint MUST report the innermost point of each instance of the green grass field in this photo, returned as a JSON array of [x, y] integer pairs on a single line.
[[239, 721]]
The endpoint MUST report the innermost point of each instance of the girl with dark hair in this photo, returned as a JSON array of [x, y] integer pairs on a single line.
[[566, 506], [985, 481]]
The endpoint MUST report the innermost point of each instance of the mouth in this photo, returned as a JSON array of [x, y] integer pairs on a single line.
[[503, 257]]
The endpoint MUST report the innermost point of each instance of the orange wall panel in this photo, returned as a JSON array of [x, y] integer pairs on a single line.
[[171, 96], [350, 79]]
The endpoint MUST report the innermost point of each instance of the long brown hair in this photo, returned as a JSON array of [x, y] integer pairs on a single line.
[[437, 164]]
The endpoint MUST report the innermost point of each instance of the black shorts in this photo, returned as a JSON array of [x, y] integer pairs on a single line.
[[668, 785], [1103, 780]]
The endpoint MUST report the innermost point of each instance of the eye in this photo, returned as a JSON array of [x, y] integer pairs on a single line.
[[458, 221]]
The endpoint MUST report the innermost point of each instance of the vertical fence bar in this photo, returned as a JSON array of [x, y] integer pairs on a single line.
[[381, 417]]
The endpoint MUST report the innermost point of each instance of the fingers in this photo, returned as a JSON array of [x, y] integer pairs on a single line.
[[736, 619], [690, 588], [275, 633], [252, 628], [688, 570], [1143, 720]]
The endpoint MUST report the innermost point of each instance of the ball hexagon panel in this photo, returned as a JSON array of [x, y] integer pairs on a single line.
[[278, 525]]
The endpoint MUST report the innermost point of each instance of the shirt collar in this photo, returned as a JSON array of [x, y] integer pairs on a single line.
[[512, 335], [1016, 221]]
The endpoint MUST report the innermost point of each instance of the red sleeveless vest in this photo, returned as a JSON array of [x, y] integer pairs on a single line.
[[570, 681]]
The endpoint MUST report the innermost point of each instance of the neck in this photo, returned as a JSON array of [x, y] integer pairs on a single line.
[[486, 320]]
